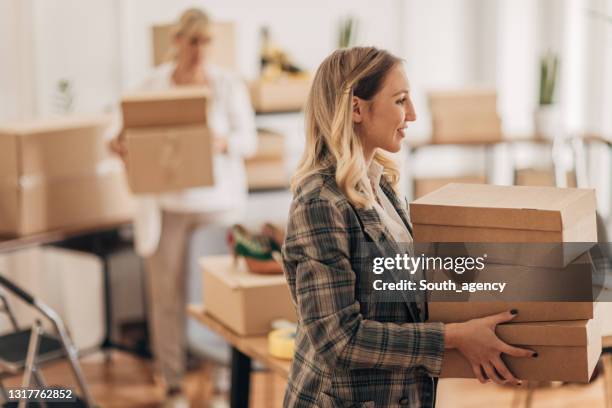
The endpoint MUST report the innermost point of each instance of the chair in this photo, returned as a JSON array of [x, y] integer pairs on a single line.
[[23, 350]]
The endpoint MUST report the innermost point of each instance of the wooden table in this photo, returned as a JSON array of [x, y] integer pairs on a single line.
[[244, 350], [8, 243]]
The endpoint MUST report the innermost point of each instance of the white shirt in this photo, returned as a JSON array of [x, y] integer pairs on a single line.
[[230, 115], [384, 207]]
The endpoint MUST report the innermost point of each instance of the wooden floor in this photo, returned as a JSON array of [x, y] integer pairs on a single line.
[[128, 382]]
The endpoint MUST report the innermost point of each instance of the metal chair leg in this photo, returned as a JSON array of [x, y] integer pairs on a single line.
[[72, 354], [6, 307], [3, 392], [31, 359]]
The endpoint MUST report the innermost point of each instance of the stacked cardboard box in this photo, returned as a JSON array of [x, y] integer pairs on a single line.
[[221, 51], [169, 145], [281, 95], [245, 302], [58, 173], [541, 177], [266, 169], [522, 221], [465, 116], [423, 186]]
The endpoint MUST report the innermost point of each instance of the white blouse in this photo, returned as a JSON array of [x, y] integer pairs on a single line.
[[230, 115], [385, 209]]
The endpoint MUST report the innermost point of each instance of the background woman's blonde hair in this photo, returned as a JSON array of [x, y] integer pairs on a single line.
[[330, 133], [193, 21]]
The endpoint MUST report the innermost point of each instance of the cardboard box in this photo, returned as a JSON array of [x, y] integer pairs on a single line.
[[270, 146], [221, 51], [424, 186], [509, 214], [266, 169], [481, 100], [266, 174], [57, 173], [577, 282], [465, 116], [541, 177], [282, 95], [452, 312], [567, 351], [244, 302], [185, 105], [37, 205], [169, 158], [466, 128], [53, 147]]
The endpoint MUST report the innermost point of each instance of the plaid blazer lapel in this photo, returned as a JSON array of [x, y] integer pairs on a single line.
[[388, 190], [374, 228]]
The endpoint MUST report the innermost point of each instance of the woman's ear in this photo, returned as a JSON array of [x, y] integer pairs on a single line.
[[356, 106]]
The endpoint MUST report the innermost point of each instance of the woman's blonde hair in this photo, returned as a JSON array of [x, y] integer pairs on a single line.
[[330, 133], [193, 21]]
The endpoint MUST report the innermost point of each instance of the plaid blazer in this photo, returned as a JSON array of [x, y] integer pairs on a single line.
[[350, 352]]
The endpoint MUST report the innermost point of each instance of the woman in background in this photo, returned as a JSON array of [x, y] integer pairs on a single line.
[[349, 349], [164, 223]]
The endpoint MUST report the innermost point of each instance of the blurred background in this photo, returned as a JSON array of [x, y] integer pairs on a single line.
[[544, 65]]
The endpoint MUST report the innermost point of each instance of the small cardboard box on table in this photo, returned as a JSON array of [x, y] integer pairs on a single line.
[[245, 302]]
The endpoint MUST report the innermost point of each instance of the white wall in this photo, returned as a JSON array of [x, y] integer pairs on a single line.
[[76, 40], [17, 87], [306, 30]]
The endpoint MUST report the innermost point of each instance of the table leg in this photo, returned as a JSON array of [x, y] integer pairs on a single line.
[[241, 379]]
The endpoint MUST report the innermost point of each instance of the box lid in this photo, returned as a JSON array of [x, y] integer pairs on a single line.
[[237, 275], [54, 147], [510, 207], [559, 333], [54, 124], [174, 106], [170, 94]]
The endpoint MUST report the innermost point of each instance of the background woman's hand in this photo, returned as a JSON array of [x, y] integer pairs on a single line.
[[477, 341], [220, 145], [118, 146]]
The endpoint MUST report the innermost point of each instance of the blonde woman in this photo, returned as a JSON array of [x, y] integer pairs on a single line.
[[351, 352], [164, 223]]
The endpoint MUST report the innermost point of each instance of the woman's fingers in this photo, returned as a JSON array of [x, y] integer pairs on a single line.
[[503, 317], [477, 369], [515, 351], [492, 374], [501, 368]]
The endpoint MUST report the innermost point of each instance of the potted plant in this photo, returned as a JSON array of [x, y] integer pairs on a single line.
[[548, 116], [347, 32]]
